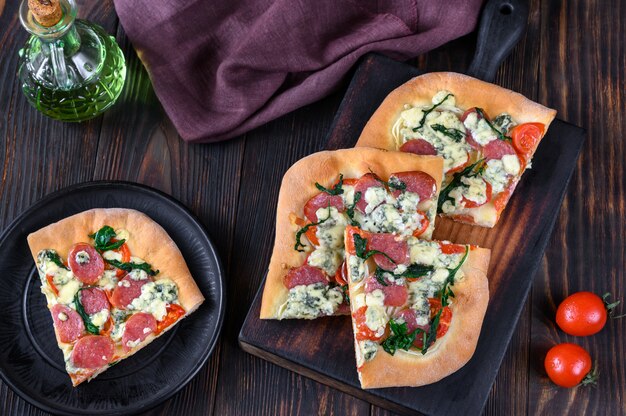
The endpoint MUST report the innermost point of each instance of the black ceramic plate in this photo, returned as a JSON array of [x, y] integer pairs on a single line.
[[30, 361]]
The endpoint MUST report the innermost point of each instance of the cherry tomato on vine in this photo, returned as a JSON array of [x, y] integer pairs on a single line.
[[569, 365], [583, 313]]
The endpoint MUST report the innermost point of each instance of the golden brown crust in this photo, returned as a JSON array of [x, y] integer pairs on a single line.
[[451, 352], [298, 186]]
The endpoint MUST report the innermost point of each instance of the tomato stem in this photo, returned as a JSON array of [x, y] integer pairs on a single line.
[[592, 377], [610, 307]]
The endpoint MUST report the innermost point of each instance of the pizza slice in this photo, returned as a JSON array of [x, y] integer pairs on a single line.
[[114, 281], [320, 195], [417, 306], [486, 134]]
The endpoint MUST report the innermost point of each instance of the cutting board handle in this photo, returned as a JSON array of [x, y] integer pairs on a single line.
[[502, 24]]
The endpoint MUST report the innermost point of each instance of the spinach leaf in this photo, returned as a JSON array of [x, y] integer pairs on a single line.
[[335, 190], [53, 256], [432, 332], [360, 246], [380, 276], [346, 293], [394, 183], [89, 326], [429, 110], [469, 172], [446, 292], [499, 134], [455, 134], [102, 239], [305, 229], [350, 209], [133, 266], [399, 339], [415, 271]]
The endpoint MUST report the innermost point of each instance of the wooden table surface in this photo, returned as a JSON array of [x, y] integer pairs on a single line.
[[572, 58]]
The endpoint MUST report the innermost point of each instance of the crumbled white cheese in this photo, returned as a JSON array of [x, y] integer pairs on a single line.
[[82, 257], [112, 255], [311, 301], [62, 316]]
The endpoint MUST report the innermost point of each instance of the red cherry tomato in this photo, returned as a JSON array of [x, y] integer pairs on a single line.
[[569, 365], [582, 314], [526, 136], [364, 331]]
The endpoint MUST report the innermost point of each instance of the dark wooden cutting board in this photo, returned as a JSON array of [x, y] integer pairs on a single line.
[[323, 349]]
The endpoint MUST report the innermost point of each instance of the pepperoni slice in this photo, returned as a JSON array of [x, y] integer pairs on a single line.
[[395, 295], [418, 182], [94, 300], [496, 149], [398, 251], [68, 323], [126, 291], [409, 316], [92, 351], [322, 200], [369, 180], [419, 147], [137, 328], [87, 268], [304, 275]]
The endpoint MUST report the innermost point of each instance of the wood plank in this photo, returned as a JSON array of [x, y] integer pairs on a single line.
[[509, 275], [248, 385], [582, 74], [31, 165]]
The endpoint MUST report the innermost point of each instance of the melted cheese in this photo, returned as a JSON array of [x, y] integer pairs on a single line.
[[311, 301]]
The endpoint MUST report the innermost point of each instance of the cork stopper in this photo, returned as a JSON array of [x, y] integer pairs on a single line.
[[46, 12]]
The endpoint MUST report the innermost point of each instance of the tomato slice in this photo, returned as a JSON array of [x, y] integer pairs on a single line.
[[108, 327], [125, 252], [340, 275], [472, 204], [174, 312], [311, 233], [351, 230], [350, 181], [363, 331], [49, 279], [444, 319], [526, 137], [449, 248], [423, 226]]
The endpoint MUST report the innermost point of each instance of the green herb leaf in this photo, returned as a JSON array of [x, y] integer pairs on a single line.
[[499, 134], [429, 110], [335, 190], [399, 339], [53, 256], [350, 209], [380, 277], [446, 292], [415, 271], [89, 326], [394, 183], [469, 172], [432, 332], [305, 229], [455, 134], [102, 239], [360, 246], [133, 266]]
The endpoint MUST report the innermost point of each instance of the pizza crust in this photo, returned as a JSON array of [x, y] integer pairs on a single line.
[[468, 92], [147, 240], [298, 186], [451, 352]]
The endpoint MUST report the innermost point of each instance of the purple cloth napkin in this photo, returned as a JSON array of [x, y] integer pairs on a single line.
[[224, 67]]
